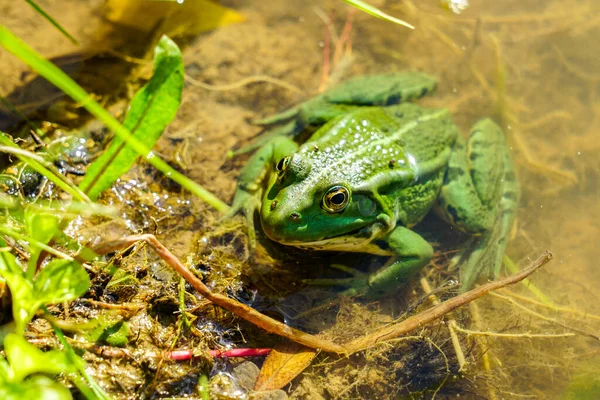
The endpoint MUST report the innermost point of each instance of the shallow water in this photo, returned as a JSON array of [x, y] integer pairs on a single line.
[[530, 65]]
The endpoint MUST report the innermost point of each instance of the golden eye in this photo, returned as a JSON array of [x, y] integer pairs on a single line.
[[336, 199]]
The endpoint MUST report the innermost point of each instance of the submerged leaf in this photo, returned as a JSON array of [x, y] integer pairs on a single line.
[[151, 110], [109, 329], [283, 364]]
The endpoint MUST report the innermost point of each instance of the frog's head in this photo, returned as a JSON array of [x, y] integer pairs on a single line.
[[303, 205]]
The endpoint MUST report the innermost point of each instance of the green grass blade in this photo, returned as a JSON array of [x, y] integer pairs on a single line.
[[6, 230], [52, 73], [44, 14], [369, 9], [151, 110]]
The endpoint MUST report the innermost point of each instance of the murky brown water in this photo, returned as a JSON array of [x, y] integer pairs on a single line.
[[533, 66]]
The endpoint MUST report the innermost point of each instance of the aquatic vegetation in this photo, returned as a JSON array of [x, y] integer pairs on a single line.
[[151, 110]]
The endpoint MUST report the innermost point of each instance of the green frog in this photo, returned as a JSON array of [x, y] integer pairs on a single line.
[[377, 165]]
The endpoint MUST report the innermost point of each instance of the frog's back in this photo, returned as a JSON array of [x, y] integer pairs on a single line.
[[371, 141], [399, 151]]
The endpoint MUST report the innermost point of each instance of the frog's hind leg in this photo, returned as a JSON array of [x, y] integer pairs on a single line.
[[382, 90], [479, 196]]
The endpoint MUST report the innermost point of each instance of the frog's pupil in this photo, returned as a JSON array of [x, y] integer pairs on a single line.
[[280, 164], [338, 198]]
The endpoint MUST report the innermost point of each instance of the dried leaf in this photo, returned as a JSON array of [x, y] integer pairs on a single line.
[[283, 364], [176, 18]]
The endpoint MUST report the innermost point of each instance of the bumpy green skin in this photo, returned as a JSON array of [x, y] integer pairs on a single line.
[[396, 163]]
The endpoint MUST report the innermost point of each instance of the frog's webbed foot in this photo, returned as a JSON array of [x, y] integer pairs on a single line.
[[247, 204], [357, 284], [482, 258]]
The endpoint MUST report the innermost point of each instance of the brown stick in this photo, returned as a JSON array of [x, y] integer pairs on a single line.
[[272, 325], [248, 313], [417, 321]]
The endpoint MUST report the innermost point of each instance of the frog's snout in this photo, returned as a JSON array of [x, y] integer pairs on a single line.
[[281, 222], [294, 216]]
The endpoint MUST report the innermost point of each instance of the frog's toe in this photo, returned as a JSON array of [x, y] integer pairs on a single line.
[[357, 284], [484, 260], [246, 205], [355, 287]]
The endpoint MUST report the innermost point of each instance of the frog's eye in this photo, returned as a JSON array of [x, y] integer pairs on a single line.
[[336, 199], [282, 165]]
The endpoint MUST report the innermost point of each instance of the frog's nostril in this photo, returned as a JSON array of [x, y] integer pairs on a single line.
[[295, 216]]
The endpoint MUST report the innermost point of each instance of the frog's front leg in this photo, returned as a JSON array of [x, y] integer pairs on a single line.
[[479, 196], [251, 180], [410, 252]]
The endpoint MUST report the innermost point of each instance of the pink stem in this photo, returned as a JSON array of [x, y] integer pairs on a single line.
[[239, 353], [183, 355]]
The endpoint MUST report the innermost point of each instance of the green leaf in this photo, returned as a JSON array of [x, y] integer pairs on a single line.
[[91, 391], [37, 387], [24, 302], [41, 226], [60, 280], [6, 373], [25, 359], [151, 110], [369, 9]]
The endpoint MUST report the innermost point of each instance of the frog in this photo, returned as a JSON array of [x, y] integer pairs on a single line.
[[375, 164]]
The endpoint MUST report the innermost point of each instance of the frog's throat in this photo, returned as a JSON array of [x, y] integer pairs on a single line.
[[359, 241]]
